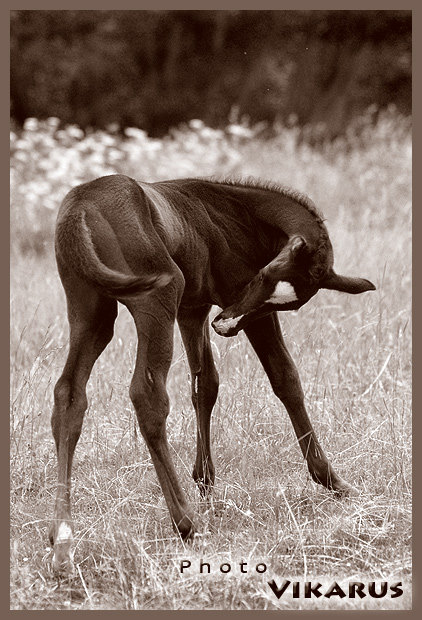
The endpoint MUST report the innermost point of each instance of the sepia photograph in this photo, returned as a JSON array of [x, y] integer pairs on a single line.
[[210, 310]]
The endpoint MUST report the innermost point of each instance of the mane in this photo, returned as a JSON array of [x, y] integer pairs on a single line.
[[300, 198], [271, 186]]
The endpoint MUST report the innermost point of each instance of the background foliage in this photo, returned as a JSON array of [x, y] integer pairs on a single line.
[[155, 69]]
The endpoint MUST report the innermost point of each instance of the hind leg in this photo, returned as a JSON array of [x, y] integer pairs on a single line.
[[91, 319], [195, 333], [154, 318]]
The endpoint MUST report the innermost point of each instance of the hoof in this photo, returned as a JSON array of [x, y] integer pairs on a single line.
[[63, 559], [344, 489], [63, 552], [333, 482], [219, 507], [205, 485], [185, 528]]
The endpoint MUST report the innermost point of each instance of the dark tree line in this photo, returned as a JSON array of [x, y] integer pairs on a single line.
[[156, 69]]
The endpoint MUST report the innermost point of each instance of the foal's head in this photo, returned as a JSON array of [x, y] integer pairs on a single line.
[[287, 283]]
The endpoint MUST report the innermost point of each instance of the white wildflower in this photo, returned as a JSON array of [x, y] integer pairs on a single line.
[[31, 124]]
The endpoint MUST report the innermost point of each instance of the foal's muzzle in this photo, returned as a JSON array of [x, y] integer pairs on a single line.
[[227, 326]]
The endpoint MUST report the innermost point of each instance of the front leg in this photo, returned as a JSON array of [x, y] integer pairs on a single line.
[[195, 334], [267, 341]]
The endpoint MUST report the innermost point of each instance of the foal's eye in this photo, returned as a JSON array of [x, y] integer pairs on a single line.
[[316, 272]]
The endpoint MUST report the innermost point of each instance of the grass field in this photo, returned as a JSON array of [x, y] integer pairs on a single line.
[[354, 358]]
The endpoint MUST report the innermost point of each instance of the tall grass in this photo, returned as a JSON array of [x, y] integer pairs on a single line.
[[354, 358]]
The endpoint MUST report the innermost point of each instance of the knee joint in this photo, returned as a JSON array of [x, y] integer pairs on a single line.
[[206, 385], [62, 392], [150, 400], [66, 394]]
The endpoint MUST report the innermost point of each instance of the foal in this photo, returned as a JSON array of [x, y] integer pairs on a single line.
[[169, 251]]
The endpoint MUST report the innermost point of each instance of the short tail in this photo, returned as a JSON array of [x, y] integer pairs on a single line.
[[75, 248]]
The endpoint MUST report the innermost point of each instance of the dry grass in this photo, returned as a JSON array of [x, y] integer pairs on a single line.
[[354, 357]]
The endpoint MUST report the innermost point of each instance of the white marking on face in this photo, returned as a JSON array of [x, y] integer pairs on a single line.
[[283, 293], [64, 533], [222, 326]]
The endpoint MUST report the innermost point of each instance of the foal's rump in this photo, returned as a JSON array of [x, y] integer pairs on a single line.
[[105, 236]]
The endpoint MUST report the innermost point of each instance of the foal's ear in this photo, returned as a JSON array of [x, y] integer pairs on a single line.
[[345, 284], [295, 246], [288, 255]]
